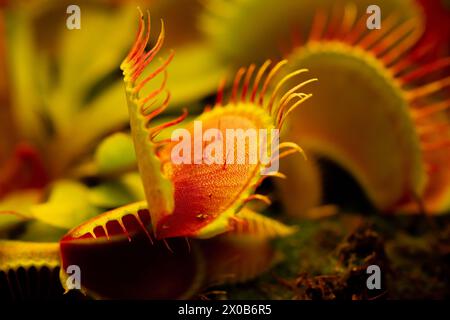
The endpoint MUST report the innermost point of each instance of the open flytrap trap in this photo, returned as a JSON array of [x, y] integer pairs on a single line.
[[224, 150]]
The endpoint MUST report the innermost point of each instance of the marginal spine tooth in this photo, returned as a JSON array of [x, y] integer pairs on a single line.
[[156, 130], [188, 244], [349, 19], [144, 228], [145, 109], [293, 148], [106, 232], [122, 225], [405, 44], [160, 109], [258, 79], [291, 94], [278, 87], [428, 89], [260, 197], [403, 65], [220, 90], [138, 44], [391, 39], [357, 32], [282, 106], [371, 38], [425, 70], [431, 109], [292, 108], [145, 59], [294, 89], [166, 243], [154, 73], [267, 175], [137, 41], [333, 22], [154, 93], [269, 78], [276, 174], [237, 80], [318, 26], [248, 76], [138, 62]]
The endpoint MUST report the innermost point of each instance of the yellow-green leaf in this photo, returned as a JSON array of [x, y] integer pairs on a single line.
[[68, 205]]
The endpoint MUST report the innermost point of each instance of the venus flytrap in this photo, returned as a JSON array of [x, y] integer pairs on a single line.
[[220, 189], [194, 223], [383, 119], [29, 270]]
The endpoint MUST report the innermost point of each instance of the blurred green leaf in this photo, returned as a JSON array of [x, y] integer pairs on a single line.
[[105, 114], [115, 153], [68, 205], [87, 57], [27, 102], [15, 208], [39, 231], [117, 193]]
